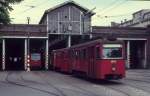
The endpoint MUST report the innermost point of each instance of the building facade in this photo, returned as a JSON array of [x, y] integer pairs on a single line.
[[65, 25], [137, 43], [139, 19], [67, 22], [18, 42], [67, 18]]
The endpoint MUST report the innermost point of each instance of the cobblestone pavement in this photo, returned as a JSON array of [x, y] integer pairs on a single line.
[[42, 83]]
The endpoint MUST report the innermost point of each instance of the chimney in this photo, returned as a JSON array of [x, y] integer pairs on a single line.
[[125, 20], [121, 21]]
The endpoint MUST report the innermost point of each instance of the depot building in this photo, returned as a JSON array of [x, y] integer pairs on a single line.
[[19, 43], [62, 26]]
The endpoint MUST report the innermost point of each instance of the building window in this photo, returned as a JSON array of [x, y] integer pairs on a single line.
[[65, 16]]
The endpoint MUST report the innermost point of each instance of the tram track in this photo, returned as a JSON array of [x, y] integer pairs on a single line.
[[27, 86], [119, 90], [139, 73], [51, 85], [136, 84], [17, 82], [137, 88], [66, 85], [84, 92], [138, 80], [129, 89], [138, 77], [90, 93]]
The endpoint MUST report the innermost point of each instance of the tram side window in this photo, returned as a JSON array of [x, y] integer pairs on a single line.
[[84, 53], [80, 54], [76, 54], [97, 52], [65, 54], [72, 54]]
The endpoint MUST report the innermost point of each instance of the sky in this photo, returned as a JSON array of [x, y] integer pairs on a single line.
[[106, 10]]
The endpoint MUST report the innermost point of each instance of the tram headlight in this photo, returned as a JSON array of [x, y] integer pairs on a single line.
[[113, 69]]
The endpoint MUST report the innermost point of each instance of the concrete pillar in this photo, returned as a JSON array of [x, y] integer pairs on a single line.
[[148, 54], [25, 54], [69, 41], [47, 24], [46, 55], [91, 30], [58, 23], [28, 54], [145, 55], [128, 55], [81, 23], [3, 54], [91, 36], [47, 42]]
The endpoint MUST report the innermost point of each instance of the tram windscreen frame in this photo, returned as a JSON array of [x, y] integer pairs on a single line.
[[112, 51], [35, 56]]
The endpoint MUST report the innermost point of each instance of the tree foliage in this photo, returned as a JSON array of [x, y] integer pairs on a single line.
[[5, 8]]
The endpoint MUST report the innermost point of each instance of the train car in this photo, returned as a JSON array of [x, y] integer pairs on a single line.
[[55, 60], [98, 59], [60, 60], [35, 61]]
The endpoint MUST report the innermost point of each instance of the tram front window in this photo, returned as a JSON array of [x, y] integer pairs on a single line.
[[113, 51], [35, 56]]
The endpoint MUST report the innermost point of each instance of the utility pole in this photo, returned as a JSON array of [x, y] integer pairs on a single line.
[[28, 20]]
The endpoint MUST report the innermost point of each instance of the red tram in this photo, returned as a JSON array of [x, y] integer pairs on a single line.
[[96, 59], [35, 61]]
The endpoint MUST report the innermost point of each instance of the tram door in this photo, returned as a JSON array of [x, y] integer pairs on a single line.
[[91, 61]]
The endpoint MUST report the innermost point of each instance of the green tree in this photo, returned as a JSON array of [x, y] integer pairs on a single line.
[[5, 8]]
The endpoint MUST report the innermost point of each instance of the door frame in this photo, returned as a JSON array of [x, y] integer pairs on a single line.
[[128, 49]]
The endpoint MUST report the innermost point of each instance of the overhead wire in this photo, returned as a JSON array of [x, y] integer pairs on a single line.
[[102, 16], [112, 8], [108, 6], [112, 16], [115, 16], [32, 7], [115, 6], [33, 1]]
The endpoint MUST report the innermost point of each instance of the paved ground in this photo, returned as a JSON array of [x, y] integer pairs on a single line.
[[40, 83]]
